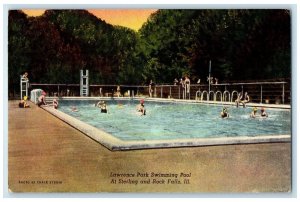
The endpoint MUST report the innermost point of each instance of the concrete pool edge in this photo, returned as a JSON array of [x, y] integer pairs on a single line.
[[96, 134], [151, 144], [114, 144]]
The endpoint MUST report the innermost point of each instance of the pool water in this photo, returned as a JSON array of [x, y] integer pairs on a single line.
[[165, 121]]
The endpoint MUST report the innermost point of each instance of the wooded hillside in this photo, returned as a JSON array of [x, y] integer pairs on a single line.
[[242, 45]]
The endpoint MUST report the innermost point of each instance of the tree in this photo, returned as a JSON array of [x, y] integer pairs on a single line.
[[242, 45], [255, 42], [18, 49]]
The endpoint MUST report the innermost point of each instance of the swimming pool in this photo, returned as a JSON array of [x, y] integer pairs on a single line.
[[178, 122]]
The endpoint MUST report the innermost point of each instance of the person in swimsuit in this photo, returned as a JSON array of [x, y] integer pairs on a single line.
[[245, 99], [120, 105], [55, 103], [253, 113], [74, 109], [224, 113], [187, 84], [141, 108], [41, 99], [103, 107], [151, 84], [263, 112], [25, 76], [118, 91], [98, 104], [239, 99], [23, 103]]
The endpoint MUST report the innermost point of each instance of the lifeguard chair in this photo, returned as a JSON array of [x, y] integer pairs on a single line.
[[24, 84]]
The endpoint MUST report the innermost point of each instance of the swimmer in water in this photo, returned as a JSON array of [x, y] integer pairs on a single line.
[[55, 103], [141, 107], [74, 109], [224, 113], [263, 112], [253, 113], [98, 104], [103, 107], [120, 105]]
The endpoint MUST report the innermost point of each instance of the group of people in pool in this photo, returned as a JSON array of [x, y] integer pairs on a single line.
[[140, 108], [263, 113], [244, 98]]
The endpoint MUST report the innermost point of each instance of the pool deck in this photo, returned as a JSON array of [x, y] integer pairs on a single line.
[[47, 155]]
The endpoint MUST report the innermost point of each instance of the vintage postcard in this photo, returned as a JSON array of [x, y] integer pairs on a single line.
[[144, 100]]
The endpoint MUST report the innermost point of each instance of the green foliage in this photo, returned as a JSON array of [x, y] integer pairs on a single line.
[[242, 45], [234, 40], [18, 48]]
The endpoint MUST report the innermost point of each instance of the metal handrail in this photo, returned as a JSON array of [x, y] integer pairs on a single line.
[[176, 91], [196, 96], [224, 95], [232, 93], [216, 94], [159, 85]]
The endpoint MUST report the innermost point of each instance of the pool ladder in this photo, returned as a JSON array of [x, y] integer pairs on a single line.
[[225, 96]]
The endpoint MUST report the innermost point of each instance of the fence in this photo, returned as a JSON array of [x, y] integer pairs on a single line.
[[259, 92]]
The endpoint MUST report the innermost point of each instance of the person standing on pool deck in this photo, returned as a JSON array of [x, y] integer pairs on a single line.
[[141, 107], [150, 88], [118, 91], [187, 84], [175, 82]]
